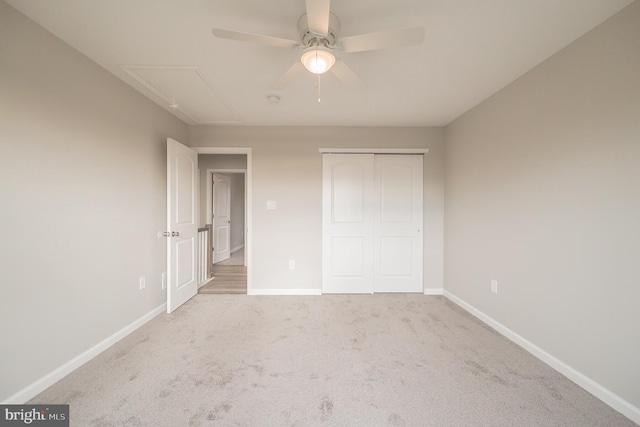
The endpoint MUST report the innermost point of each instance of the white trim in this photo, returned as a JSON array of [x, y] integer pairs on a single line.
[[373, 150], [60, 372], [248, 234], [236, 249], [223, 171], [607, 396], [222, 150], [285, 292], [205, 282], [433, 291]]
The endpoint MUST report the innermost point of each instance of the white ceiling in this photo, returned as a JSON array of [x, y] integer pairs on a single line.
[[165, 49]]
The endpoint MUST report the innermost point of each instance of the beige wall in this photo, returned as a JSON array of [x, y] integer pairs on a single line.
[[83, 185], [287, 168], [543, 195]]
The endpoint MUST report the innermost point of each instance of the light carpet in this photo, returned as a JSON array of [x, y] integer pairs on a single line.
[[339, 360]]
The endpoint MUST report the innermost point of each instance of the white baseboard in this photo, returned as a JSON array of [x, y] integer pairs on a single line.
[[57, 374], [607, 396], [205, 282], [433, 291], [284, 292], [237, 248]]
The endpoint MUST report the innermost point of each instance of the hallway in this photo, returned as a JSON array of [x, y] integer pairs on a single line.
[[229, 276]]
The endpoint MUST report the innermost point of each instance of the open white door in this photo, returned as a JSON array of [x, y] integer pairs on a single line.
[[221, 217], [182, 174]]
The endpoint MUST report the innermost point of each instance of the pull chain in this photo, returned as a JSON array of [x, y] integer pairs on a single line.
[[318, 86]]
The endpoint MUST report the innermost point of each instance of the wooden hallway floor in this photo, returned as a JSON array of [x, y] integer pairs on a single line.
[[228, 279]]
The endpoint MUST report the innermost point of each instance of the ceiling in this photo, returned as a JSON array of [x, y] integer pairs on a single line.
[[166, 50]]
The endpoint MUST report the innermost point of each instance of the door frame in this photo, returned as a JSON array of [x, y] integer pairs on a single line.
[[209, 202], [248, 231], [373, 150]]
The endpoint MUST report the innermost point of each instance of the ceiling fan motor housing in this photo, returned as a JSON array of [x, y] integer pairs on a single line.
[[309, 39]]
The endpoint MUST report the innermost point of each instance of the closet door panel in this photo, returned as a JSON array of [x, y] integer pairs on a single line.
[[347, 222], [397, 256], [398, 223]]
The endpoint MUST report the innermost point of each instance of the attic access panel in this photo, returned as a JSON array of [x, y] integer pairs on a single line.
[[187, 91]]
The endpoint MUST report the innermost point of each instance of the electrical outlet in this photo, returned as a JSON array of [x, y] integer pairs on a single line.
[[292, 264], [164, 280], [494, 286], [143, 282]]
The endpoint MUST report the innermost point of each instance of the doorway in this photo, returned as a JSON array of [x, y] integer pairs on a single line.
[[226, 213], [235, 163]]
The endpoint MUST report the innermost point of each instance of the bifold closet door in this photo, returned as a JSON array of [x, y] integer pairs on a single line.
[[372, 223]]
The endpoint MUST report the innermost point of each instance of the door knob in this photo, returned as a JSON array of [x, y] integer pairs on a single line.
[[175, 233]]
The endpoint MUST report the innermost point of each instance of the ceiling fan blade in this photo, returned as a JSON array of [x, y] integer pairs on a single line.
[[318, 16], [254, 38], [294, 71], [383, 40], [347, 75]]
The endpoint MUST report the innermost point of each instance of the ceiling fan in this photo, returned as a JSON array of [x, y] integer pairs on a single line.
[[319, 38]]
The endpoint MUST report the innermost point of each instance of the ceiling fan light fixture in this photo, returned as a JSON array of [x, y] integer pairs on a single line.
[[318, 60]]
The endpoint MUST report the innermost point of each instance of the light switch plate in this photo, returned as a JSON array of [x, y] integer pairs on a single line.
[[494, 286]]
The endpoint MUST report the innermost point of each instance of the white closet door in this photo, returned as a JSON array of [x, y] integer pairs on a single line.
[[372, 223], [398, 223], [347, 217]]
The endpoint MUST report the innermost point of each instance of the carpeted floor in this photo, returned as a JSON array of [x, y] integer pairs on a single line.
[[339, 360]]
